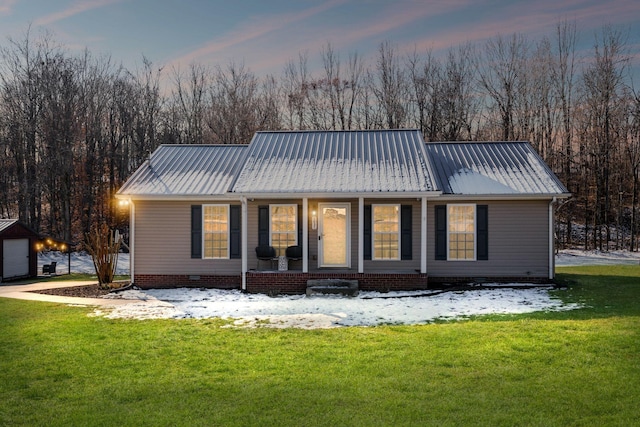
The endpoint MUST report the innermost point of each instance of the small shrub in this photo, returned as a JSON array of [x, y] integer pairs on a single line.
[[103, 246]]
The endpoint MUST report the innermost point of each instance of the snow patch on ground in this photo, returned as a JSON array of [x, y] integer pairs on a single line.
[[367, 309], [311, 312], [576, 257]]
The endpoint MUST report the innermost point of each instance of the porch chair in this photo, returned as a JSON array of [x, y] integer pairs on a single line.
[[265, 253], [294, 253], [49, 268]]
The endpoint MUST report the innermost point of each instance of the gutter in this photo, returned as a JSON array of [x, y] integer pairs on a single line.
[[505, 197]]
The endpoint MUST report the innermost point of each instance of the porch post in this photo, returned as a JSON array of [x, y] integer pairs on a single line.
[[305, 235], [244, 234], [423, 237], [132, 240], [361, 235]]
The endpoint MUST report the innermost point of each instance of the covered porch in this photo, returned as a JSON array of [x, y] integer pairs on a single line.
[[335, 238]]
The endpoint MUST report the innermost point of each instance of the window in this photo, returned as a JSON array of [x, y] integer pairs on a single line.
[[386, 232], [283, 227], [215, 223], [461, 221]]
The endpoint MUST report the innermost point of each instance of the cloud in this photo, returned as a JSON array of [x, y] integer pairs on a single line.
[[534, 19], [75, 9], [6, 6], [255, 28], [264, 34]]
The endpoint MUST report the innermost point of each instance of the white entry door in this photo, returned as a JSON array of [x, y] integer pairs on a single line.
[[16, 258], [334, 235]]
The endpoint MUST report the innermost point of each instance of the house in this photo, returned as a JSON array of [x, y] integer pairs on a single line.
[[381, 207], [17, 250]]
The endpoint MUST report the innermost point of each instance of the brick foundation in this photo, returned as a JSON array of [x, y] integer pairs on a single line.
[[283, 282], [296, 283], [166, 281]]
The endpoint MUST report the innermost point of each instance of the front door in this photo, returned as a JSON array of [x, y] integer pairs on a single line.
[[334, 234]]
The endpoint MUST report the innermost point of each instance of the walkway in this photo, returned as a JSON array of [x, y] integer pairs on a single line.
[[23, 291]]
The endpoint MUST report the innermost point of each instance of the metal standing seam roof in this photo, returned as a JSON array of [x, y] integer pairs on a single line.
[[336, 162], [187, 170], [321, 162], [6, 223], [492, 168]]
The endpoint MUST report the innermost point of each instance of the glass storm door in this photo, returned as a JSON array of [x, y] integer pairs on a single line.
[[334, 245]]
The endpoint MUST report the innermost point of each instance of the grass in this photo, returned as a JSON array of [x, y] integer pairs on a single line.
[[59, 366]]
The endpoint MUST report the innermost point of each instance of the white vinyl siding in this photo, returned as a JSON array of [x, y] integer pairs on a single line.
[[518, 243], [163, 241]]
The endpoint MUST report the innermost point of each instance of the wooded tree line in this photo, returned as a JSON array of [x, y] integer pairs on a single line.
[[74, 127]]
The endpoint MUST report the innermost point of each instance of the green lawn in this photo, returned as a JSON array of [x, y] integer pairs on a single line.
[[59, 366]]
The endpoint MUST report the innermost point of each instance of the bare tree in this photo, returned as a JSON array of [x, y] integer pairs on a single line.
[[632, 149], [189, 100], [390, 89], [234, 113], [563, 78], [22, 102], [602, 84], [294, 88], [501, 75], [426, 105], [459, 105], [342, 91]]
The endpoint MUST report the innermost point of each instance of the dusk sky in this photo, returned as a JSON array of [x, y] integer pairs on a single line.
[[265, 34]]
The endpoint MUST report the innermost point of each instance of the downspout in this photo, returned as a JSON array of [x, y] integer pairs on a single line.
[[423, 236], [243, 232], [132, 240], [360, 235], [552, 241]]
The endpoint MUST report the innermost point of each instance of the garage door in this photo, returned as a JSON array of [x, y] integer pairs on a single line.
[[15, 258]]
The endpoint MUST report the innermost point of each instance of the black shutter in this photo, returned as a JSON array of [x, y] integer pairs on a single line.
[[235, 232], [482, 232], [367, 232], [441, 232], [406, 246], [196, 231], [263, 225], [300, 225]]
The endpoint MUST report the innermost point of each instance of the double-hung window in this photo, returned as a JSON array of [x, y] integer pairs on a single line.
[[215, 221], [461, 232], [386, 232], [283, 227]]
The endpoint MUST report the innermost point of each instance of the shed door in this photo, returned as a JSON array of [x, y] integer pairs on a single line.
[[15, 258]]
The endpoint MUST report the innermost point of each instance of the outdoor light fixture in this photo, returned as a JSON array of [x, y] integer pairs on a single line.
[[314, 220]]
